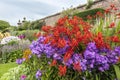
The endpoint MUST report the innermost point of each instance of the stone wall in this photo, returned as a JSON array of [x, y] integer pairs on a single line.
[[50, 20]]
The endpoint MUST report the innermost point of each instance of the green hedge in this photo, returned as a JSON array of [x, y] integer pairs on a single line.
[[90, 12]]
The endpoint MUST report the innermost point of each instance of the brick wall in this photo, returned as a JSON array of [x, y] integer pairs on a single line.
[[50, 20]]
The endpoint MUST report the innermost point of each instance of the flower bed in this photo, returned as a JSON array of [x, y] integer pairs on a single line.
[[76, 50]]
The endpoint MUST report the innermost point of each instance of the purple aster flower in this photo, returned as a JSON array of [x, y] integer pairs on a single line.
[[117, 50], [95, 59], [92, 47], [69, 62], [38, 74], [113, 57], [19, 61], [76, 57], [83, 64], [89, 55], [56, 56]]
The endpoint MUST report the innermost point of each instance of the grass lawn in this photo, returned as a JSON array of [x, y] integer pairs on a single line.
[[5, 67]]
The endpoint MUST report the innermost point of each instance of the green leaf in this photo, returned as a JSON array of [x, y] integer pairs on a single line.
[[117, 71], [97, 77]]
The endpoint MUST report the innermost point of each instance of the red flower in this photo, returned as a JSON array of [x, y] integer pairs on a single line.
[[99, 14], [112, 25], [89, 17], [61, 43], [74, 43], [119, 59], [62, 21], [56, 33], [115, 39], [99, 40], [73, 21], [115, 9], [46, 28], [62, 70], [67, 55], [107, 11], [75, 29], [112, 6], [77, 66], [54, 62], [78, 35], [37, 34], [47, 39]]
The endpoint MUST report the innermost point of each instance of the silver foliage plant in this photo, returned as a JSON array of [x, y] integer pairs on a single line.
[[20, 45]]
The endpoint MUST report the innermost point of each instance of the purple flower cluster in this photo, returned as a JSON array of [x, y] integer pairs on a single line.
[[38, 48], [99, 59], [92, 58]]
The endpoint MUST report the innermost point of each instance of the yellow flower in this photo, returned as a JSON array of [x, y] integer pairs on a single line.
[[26, 54], [7, 34], [1, 35]]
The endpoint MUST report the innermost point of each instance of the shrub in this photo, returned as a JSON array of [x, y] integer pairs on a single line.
[[27, 25], [36, 24], [91, 12], [13, 50], [29, 34], [4, 24]]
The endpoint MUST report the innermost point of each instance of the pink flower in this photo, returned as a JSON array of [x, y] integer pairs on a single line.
[[23, 77]]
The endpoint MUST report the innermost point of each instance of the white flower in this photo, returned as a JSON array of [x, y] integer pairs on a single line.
[[9, 39]]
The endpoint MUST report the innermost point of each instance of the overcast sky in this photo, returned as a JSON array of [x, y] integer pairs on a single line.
[[13, 10]]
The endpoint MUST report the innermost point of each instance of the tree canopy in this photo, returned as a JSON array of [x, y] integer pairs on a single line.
[[4, 24]]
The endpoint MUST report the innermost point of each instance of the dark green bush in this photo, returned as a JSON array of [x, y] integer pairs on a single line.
[[91, 12]]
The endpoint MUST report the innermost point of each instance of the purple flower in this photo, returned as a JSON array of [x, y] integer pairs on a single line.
[[95, 59], [38, 74], [69, 63], [89, 55], [23, 77], [56, 56], [19, 61], [117, 50], [21, 36], [76, 58], [92, 47]]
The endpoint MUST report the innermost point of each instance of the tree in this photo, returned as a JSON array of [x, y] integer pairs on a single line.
[[4, 24]]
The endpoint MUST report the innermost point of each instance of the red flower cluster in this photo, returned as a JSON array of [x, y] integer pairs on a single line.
[[62, 70], [72, 32], [77, 66], [100, 41], [37, 35]]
